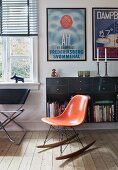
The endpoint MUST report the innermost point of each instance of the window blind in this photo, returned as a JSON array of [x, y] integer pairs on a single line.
[[18, 17]]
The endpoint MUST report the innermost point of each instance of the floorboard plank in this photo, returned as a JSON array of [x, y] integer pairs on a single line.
[[37, 157], [98, 161], [87, 158], [77, 161], [29, 152], [46, 156], [16, 161], [58, 165]]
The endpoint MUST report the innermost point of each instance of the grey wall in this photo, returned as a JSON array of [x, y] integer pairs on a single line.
[[36, 103]]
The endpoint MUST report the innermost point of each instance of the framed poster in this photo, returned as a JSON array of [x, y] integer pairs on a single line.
[[105, 33], [66, 34]]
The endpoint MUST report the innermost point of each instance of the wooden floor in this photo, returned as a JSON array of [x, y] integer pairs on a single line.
[[103, 155]]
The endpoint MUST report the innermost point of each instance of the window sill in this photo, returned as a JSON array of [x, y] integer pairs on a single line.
[[31, 86]]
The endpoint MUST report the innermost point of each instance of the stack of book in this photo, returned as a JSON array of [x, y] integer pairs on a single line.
[[55, 109], [103, 113]]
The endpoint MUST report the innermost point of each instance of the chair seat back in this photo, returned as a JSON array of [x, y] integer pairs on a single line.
[[76, 109]]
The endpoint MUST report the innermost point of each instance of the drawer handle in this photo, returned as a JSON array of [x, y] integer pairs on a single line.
[[57, 89], [104, 88], [80, 81]]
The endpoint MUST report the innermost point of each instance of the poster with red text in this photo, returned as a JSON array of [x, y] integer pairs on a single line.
[[105, 33], [66, 34]]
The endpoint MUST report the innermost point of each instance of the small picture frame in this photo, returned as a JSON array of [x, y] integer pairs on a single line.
[[80, 73], [83, 73], [66, 34]]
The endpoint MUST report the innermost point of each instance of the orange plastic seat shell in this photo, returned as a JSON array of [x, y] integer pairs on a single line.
[[73, 115]]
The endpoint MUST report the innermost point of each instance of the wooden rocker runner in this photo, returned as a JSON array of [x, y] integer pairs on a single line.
[[80, 151], [52, 145], [73, 115]]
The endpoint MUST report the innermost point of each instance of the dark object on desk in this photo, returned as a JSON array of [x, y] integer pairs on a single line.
[[10, 97], [17, 78], [54, 73]]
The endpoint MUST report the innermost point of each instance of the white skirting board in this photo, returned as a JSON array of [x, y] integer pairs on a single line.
[[40, 126]]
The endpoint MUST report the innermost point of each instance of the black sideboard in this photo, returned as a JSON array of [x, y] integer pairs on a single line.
[[103, 92]]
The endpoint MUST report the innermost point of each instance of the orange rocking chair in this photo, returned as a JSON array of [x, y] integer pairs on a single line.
[[73, 115]]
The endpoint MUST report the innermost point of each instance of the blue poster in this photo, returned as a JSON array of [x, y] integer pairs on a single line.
[[66, 34], [105, 28]]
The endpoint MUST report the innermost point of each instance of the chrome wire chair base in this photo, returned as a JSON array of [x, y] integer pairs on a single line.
[[64, 138], [63, 133], [15, 141], [11, 119]]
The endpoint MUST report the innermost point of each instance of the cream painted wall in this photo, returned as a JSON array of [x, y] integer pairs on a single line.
[[36, 103]]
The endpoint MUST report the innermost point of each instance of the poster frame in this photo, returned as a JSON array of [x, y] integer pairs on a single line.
[[106, 34], [80, 54]]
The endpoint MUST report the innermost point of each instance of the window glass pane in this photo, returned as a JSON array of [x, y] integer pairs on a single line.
[[21, 57], [20, 46], [21, 67]]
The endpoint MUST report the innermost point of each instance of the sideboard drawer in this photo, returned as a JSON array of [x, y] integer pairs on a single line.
[[77, 85], [56, 81], [109, 80], [85, 80], [104, 84], [80, 88], [107, 88], [57, 89]]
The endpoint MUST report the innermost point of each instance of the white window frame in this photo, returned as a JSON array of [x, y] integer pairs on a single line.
[[31, 85]]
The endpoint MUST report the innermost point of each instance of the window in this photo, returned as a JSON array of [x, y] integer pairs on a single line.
[[19, 32], [16, 57]]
